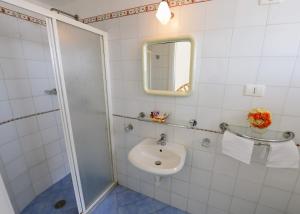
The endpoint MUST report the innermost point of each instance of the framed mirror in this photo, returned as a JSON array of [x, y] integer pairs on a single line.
[[168, 66]]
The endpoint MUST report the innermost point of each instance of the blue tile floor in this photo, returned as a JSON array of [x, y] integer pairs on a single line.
[[43, 203], [120, 201], [125, 201]]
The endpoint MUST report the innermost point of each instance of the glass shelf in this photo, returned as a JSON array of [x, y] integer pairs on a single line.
[[192, 124], [250, 133], [270, 136]]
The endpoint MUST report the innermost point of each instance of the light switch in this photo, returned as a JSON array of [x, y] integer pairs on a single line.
[[260, 90], [254, 90], [249, 90], [267, 2]]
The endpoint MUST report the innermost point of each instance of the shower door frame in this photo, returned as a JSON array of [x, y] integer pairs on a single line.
[[52, 30], [63, 100]]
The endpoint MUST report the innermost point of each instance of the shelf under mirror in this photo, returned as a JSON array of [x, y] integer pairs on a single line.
[[192, 124]]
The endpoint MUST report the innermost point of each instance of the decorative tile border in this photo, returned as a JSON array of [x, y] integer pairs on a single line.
[[22, 16], [106, 16], [27, 116], [137, 10]]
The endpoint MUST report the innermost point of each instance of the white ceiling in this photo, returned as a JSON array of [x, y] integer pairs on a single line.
[[56, 2]]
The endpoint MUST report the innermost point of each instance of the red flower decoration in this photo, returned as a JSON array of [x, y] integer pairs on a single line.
[[260, 118]]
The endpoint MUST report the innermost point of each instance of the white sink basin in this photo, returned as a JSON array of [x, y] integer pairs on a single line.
[[156, 159]]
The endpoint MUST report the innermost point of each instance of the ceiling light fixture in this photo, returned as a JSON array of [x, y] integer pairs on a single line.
[[164, 13]]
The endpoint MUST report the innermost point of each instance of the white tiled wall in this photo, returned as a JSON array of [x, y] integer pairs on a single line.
[[32, 150], [160, 66], [237, 42]]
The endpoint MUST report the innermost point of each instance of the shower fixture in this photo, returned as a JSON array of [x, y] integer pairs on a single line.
[[51, 92], [76, 17]]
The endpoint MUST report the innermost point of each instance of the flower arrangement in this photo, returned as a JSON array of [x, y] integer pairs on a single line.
[[260, 118], [158, 117]]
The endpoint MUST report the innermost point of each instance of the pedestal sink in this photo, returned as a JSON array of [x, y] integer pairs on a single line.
[[157, 159]]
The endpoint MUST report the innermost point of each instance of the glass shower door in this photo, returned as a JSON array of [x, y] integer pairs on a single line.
[[83, 82]]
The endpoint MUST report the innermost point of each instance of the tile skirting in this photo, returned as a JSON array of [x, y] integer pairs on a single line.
[[22, 16], [137, 10]]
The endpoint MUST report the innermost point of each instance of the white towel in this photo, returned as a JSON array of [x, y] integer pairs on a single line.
[[283, 155], [237, 147]]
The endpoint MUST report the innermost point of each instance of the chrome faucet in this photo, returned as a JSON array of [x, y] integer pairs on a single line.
[[163, 139]]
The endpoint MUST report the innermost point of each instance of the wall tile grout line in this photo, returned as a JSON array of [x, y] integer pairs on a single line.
[[27, 116]]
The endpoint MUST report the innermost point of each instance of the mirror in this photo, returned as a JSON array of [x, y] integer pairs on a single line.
[[168, 66]]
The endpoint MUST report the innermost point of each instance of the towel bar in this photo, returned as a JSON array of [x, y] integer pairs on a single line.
[[268, 137]]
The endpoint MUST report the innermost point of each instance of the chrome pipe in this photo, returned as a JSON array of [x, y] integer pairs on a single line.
[[76, 17]]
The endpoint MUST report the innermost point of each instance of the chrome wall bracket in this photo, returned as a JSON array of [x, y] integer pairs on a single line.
[[128, 128], [205, 142], [193, 123]]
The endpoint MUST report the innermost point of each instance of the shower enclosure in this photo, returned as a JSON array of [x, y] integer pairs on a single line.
[[79, 61], [83, 97]]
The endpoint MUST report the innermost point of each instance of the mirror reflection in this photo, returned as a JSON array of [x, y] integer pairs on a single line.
[[168, 67]]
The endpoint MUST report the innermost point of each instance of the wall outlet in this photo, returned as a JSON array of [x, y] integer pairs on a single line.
[[268, 2], [254, 90]]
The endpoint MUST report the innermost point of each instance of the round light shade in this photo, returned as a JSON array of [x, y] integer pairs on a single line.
[[163, 13]]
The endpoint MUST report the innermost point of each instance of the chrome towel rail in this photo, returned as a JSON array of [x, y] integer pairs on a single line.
[[268, 137]]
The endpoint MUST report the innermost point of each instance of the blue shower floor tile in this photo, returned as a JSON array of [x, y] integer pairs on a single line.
[[44, 202], [129, 197], [146, 205], [170, 210], [120, 200]]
